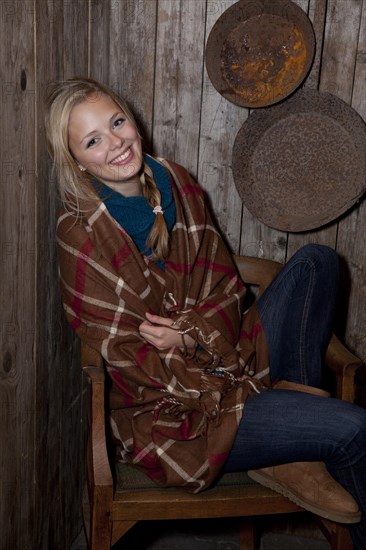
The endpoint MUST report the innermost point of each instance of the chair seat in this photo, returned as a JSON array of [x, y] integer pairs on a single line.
[[129, 478], [235, 494]]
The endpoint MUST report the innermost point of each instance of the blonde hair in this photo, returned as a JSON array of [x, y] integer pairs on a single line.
[[75, 185]]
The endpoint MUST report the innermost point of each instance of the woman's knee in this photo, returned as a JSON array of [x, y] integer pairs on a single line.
[[319, 257], [357, 421], [319, 252], [352, 429]]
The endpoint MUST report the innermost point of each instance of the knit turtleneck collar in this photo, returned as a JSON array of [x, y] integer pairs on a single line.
[[135, 214]]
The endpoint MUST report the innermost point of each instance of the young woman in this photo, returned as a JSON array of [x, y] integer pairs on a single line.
[[198, 386]]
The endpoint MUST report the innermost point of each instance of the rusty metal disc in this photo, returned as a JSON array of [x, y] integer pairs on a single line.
[[260, 51], [301, 164]]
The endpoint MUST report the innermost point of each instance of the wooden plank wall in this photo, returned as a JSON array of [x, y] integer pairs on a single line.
[[157, 64], [152, 52], [40, 382]]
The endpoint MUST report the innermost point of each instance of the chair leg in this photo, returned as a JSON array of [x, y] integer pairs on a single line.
[[119, 528], [96, 525], [341, 539], [338, 535], [248, 534], [86, 514], [97, 520]]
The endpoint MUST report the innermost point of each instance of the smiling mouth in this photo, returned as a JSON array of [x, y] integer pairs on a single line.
[[122, 158]]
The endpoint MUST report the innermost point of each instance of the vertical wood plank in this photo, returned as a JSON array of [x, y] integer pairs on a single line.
[[62, 52], [100, 17], [221, 121], [126, 54], [340, 47], [76, 36], [358, 93], [303, 4], [352, 228], [317, 14], [17, 268], [71, 458], [337, 77], [178, 80], [49, 66]]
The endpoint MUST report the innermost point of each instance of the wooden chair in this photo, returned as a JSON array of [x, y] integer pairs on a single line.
[[118, 496]]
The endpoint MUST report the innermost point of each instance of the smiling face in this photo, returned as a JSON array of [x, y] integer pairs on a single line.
[[106, 144]]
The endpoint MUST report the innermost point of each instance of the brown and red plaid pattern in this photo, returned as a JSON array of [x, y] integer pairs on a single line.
[[174, 416]]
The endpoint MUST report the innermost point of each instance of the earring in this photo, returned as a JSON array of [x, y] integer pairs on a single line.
[[81, 168]]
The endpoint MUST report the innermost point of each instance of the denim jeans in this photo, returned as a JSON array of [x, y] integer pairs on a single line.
[[280, 426]]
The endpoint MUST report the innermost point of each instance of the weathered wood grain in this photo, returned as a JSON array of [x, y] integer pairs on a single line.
[[220, 122], [124, 54], [76, 38], [61, 29], [317, 12], [101, 14], [352, 228], [359, 83], [178, 81], [341, 42], [17, 271], [49, 18]]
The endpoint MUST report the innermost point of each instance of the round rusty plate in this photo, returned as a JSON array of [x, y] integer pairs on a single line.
[[301, 164], [259, 51]]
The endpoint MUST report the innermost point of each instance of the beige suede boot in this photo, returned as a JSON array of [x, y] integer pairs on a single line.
[[309, 484]]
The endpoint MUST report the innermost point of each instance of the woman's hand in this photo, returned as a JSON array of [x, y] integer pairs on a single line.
[[158, 332]]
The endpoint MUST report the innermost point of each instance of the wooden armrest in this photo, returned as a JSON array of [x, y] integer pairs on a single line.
[[345, 364], [257, 271], [100, 469], [90, 356], [338, 356]]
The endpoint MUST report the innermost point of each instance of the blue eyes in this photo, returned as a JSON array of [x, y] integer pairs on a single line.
[[118, 122]]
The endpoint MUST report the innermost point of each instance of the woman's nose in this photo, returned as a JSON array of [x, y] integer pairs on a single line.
[[115, 141]]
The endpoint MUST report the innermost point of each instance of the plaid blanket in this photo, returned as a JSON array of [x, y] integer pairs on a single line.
[[174, 415]]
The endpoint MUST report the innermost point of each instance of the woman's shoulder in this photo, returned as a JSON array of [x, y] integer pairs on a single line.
[[172, 165], [181, 176], [71, 228]]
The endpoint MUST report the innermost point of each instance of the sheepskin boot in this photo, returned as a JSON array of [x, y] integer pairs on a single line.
[[309, 484]]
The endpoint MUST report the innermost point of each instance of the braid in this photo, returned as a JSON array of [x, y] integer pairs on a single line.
[[158, 238]]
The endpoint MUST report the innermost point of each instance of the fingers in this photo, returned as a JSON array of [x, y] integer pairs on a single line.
[[151, 333], [157, 332], [161, 337]]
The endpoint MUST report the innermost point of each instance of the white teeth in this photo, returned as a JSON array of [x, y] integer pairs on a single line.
[[121, 157]]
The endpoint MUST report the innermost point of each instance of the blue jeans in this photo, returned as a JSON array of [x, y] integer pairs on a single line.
[[280, 426]]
